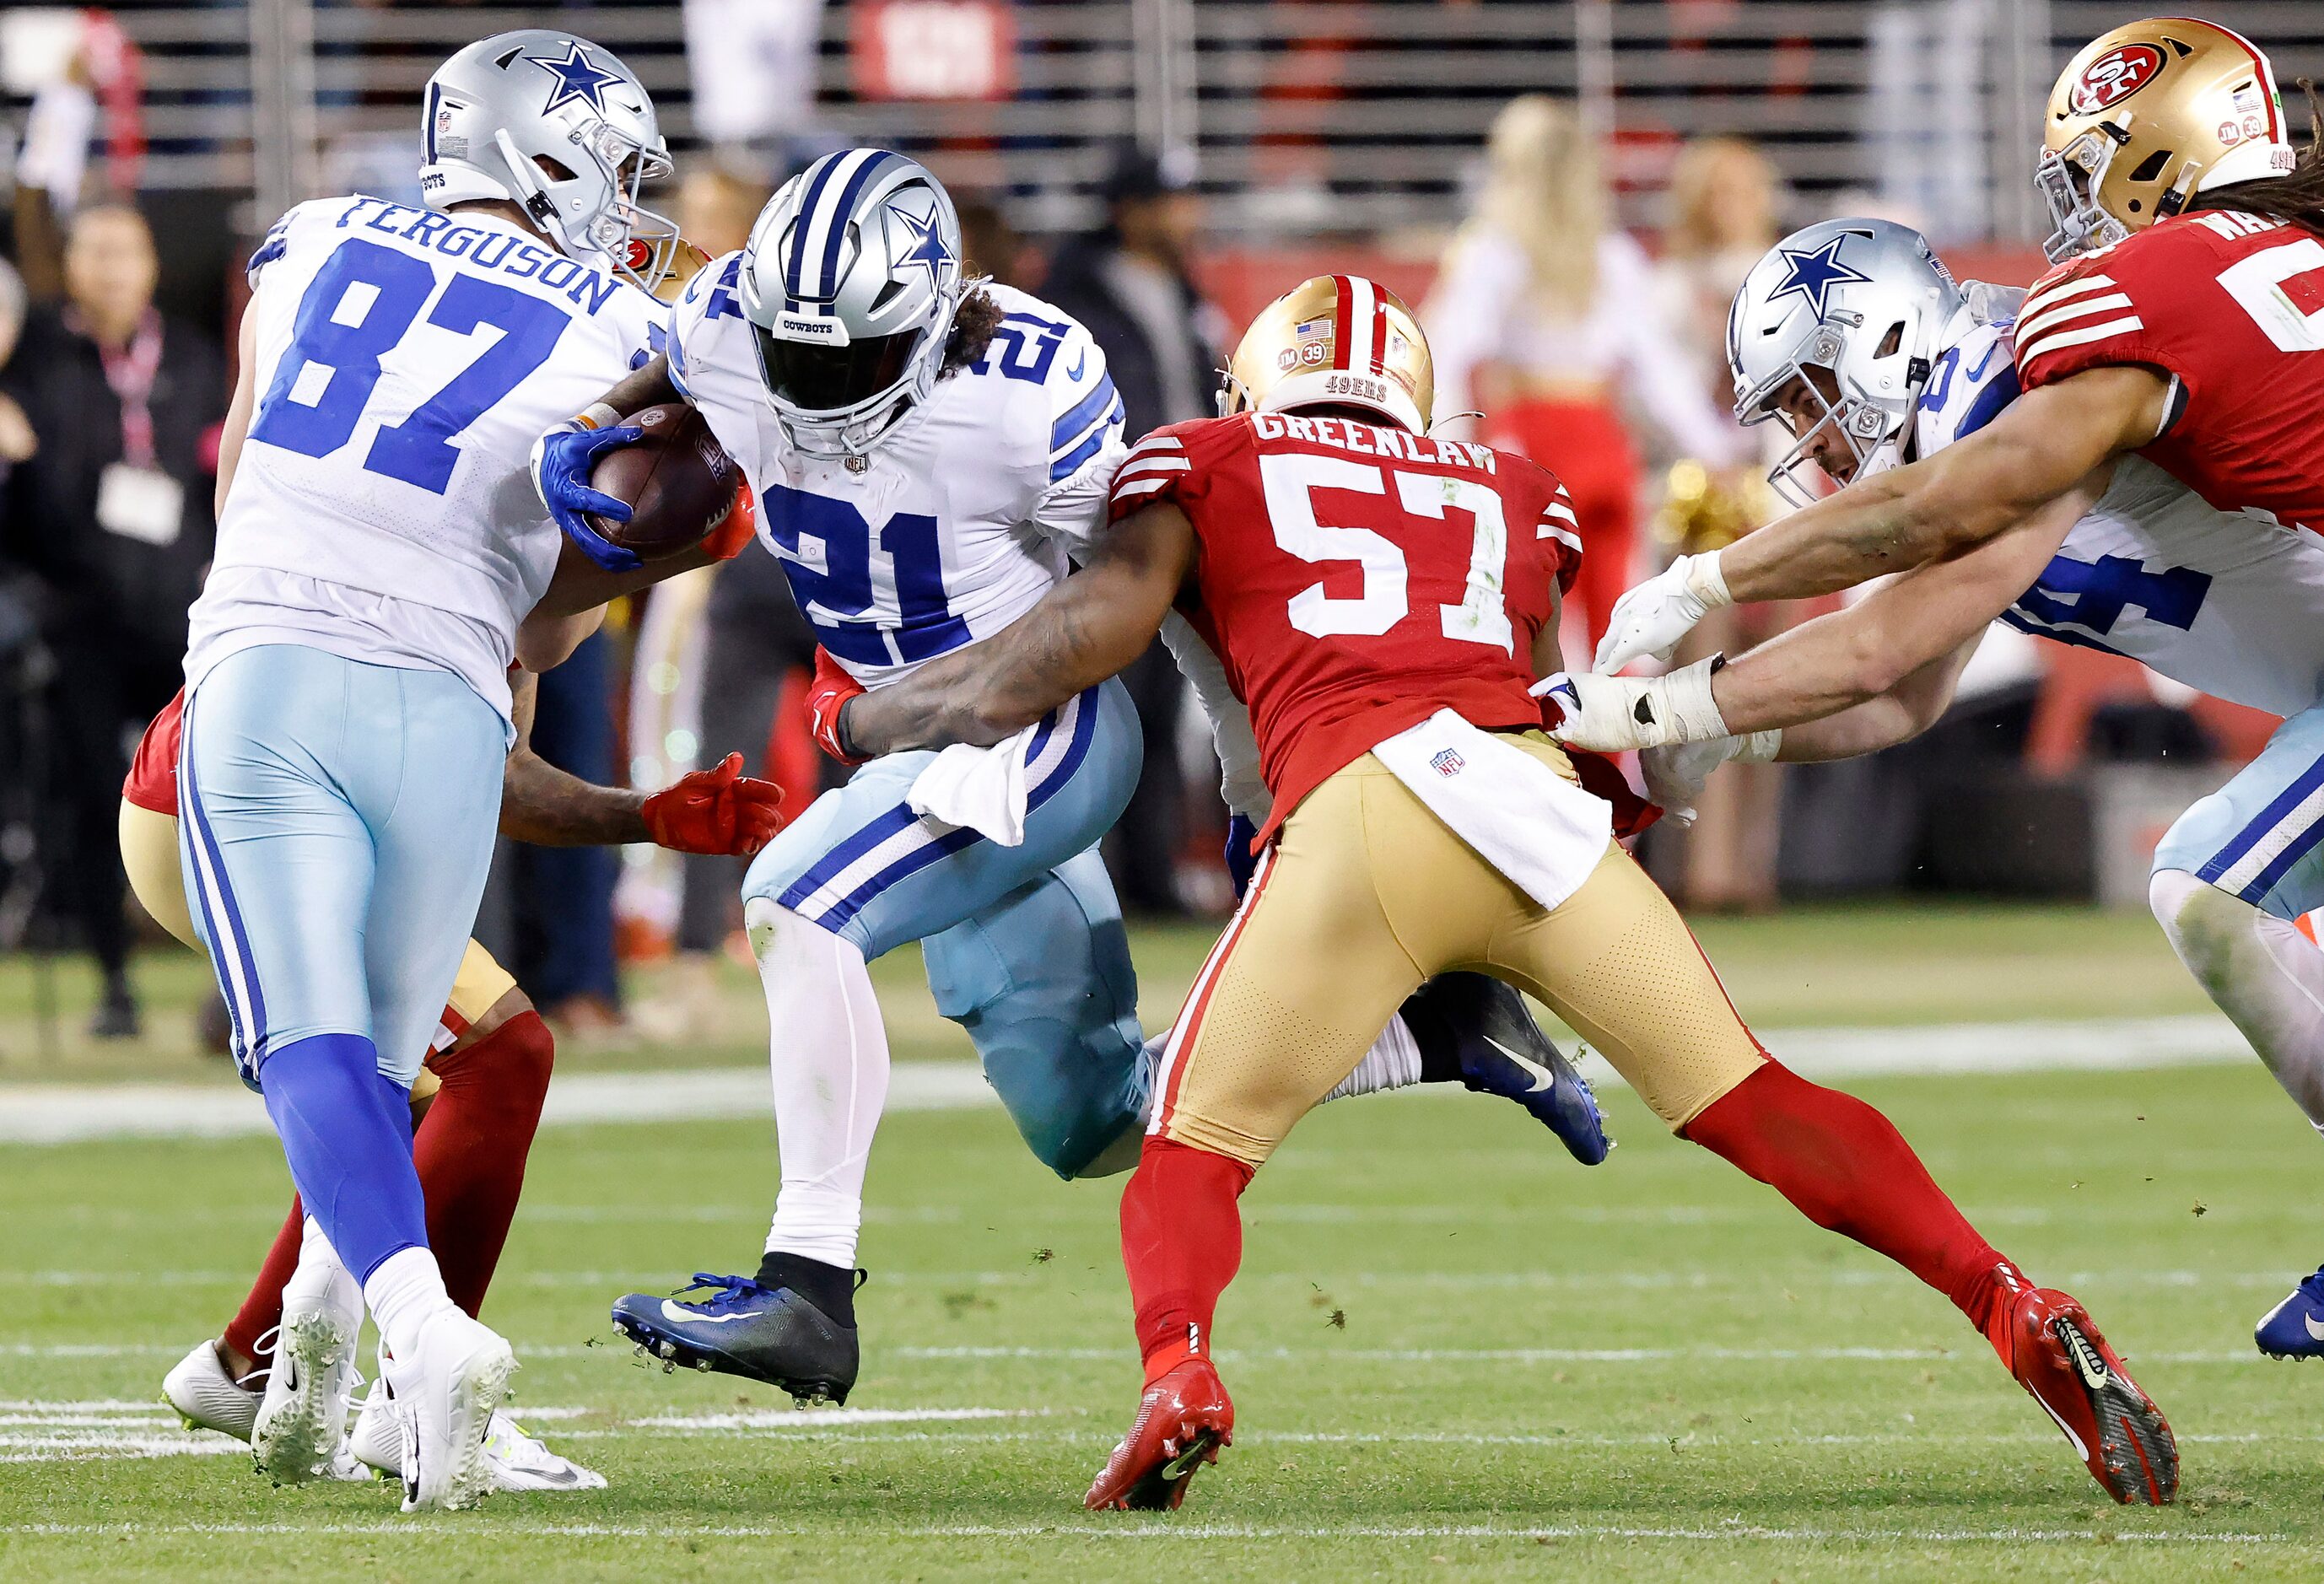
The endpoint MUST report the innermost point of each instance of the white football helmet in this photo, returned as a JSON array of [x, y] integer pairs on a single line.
[[560, 127], [1866, 302], [851, 279]]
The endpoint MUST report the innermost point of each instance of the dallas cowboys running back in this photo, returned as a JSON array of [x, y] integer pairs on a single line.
[[1854, 335], [925, 452], [347, 711]]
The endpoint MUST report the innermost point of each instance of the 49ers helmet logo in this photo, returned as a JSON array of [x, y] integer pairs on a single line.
[[2114, 77]]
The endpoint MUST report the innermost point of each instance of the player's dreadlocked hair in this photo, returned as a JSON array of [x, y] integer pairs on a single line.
[[973, 325], [2298, 198]]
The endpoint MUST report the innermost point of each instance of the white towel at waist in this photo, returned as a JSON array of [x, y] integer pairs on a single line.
[[983, 788], [1540, 830]]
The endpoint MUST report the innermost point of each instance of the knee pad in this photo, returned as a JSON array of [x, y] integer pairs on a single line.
[[1044, 986], [2202, 923]]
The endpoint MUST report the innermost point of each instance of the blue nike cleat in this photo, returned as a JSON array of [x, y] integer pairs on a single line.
[[2294, 1329], [1473, 1027], [771, 1334]]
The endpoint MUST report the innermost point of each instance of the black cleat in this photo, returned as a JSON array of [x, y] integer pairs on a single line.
[[771, 1334], [1473, 1027]]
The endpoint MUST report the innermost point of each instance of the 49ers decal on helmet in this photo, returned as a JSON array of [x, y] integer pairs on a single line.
[[2114, 77]]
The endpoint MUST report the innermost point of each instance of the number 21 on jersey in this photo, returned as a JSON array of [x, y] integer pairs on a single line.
[[357, 310], [1290, 480]]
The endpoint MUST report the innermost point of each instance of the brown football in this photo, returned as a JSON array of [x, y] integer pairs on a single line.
[[677, 479]]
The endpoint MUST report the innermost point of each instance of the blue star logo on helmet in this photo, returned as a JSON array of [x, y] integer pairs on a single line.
[[578, 79], [927, 250], [1812, 273]]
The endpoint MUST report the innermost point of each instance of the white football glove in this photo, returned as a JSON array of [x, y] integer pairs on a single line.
[[1653, 617], [1676, 773], [1610, 714]]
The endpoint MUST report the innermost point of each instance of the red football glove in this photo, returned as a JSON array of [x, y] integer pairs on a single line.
[[719, 811], [825, 697], [737, 528]]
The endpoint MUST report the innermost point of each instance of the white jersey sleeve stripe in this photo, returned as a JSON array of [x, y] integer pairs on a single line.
[[2032, 326], [1155, 464], [1142, 486], [2064, 338], [2050, 296]]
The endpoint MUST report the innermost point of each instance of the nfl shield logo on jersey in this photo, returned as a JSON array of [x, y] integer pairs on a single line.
[[1448, 762]]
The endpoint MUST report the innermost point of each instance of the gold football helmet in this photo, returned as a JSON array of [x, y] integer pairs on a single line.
[[2147, 116], [1338, 341]]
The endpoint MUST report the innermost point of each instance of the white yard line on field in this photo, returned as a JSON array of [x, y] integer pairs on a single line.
[[69, 1113], [1167, 1530]]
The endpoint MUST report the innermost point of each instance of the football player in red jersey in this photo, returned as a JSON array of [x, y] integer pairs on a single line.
[[2185, 323], [1383, 600]]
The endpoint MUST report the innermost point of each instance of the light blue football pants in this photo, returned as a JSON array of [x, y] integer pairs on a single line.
[[1024, 945], [2261, 836], [335, 822]]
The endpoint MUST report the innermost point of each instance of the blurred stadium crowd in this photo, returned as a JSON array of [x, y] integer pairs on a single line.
[[1572, 191]]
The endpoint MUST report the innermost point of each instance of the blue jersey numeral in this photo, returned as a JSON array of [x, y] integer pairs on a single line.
[[362, 303], [2093, 595], [827, 547], [1023, 348]]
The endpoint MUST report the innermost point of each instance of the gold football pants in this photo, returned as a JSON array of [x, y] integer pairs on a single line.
[[1365, 894]]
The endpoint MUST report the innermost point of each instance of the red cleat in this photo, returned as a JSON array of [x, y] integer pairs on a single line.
[[2058, 1356], [1182, 1420]]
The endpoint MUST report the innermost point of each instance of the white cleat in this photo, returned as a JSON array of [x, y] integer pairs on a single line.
[[301, 1422], [444, 1396], [518, 1461], [207, 1398]]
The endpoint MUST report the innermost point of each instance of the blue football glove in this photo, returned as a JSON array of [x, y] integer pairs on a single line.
[[562, 461], [1242, 861]]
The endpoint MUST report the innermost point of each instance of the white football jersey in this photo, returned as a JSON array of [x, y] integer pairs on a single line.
[[383, 506], [2229, 604], [961, 518]]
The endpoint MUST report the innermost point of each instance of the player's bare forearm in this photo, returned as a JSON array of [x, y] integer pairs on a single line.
[[1897, 715], [550, 807], [1872, 648], [1083, 632], [2041, 447]]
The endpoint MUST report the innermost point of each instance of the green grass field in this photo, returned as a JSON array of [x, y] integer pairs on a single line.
[[1453, 1352]]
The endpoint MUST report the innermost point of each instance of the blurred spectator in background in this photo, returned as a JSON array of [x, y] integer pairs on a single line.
[[563, 897], [1543, 317], [1132, 282], [1722, 217], [113, 514], [994, 247], [752, 65]]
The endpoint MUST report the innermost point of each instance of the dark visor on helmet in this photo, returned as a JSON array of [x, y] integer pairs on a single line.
[[816, 378]]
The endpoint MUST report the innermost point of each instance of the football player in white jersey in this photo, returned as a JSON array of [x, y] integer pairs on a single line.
[[1872, 358], [348, 708], [927, 452]]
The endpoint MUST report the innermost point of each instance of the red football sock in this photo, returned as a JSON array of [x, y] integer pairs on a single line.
[[1181, 1240], [472, 1145], [1844, 1166], [262, 1312]]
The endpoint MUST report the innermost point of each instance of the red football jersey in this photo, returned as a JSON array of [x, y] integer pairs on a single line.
[[153, 780], [2231, 307], [1354, 580]]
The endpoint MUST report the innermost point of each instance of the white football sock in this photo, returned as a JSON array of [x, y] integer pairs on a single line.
[[405, 1291], [318, 1271], [828, 1051], [2265, 975], [1392, 1063]]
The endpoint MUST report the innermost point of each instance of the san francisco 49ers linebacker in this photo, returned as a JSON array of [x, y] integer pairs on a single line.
[[1382, 601]]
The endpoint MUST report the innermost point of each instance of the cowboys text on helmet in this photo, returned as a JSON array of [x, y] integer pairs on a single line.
[[851, 279]]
